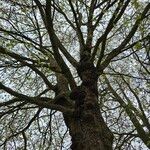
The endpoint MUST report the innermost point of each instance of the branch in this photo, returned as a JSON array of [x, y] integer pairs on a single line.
[[12, 101], [112, 22], [41, 10], [24, 129], [40, 101], [90, 28], [119, 49], [144, 118], [128, 109], [77, 21], [21, 59], [44, 15], [56, 45]]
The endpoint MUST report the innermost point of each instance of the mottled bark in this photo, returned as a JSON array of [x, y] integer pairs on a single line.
[[87, 127], [89, 132]]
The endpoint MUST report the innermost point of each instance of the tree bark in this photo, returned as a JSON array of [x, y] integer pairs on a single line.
[[87, 127], [89, 132]]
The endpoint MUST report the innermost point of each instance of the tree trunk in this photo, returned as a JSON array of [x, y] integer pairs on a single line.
[[89, 132], [87, 127]]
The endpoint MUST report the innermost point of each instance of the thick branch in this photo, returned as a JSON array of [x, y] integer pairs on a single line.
[[56, 44], [40, 101]]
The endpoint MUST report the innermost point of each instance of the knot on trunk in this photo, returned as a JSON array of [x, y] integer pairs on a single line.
[[77, 94], [86, 66], [87, 72]]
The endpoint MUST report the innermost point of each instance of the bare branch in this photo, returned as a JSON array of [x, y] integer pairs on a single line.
[[119, 49]]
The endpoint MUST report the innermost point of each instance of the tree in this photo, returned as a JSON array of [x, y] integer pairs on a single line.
[[84, 63]]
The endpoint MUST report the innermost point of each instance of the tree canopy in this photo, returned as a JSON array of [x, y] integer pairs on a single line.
[[49, 48]]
